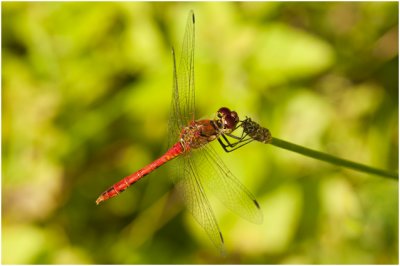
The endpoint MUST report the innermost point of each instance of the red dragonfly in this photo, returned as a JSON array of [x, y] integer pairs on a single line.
[[197, 163]]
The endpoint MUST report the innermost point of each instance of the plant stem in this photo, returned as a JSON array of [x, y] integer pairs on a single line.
[[332, 159]]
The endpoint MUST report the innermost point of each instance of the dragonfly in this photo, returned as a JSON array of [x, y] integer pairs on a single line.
[[196, 165]]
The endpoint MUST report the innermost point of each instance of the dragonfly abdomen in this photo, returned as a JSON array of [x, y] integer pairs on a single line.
[[127, 181]]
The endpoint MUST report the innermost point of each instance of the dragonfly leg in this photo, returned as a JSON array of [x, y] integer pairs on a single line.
[[228, 146]]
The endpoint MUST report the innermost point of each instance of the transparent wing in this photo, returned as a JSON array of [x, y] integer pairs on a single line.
[[183, 97], [226, 187], [184, 169], [186, 71], [190, 186], [175, 119]]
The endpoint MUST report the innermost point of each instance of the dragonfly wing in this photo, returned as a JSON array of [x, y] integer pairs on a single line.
[[226, 187], [182, 112], [186, 71], [175, 121], [191, 189], [183, 96]]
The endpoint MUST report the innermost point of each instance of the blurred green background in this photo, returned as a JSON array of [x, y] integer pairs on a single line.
[[85, 101]]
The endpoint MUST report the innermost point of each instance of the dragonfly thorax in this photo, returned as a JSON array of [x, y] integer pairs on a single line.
[[201, 132], [198, 133]]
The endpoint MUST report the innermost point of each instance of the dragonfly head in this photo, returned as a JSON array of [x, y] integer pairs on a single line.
[[227, 119]]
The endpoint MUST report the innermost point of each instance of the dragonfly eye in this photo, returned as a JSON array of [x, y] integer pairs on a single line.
[[230, 122], [223, 112], [235, 116]]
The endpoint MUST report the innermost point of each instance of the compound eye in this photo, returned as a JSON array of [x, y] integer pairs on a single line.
[[223, 111], [235, 116], [230, 122]]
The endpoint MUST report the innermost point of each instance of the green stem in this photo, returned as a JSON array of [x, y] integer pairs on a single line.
[[331, 159]]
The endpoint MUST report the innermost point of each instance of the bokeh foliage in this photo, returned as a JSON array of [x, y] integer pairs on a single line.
[[85, 99]]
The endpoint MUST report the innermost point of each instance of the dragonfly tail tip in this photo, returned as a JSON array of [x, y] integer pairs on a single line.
[[99, 199]]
